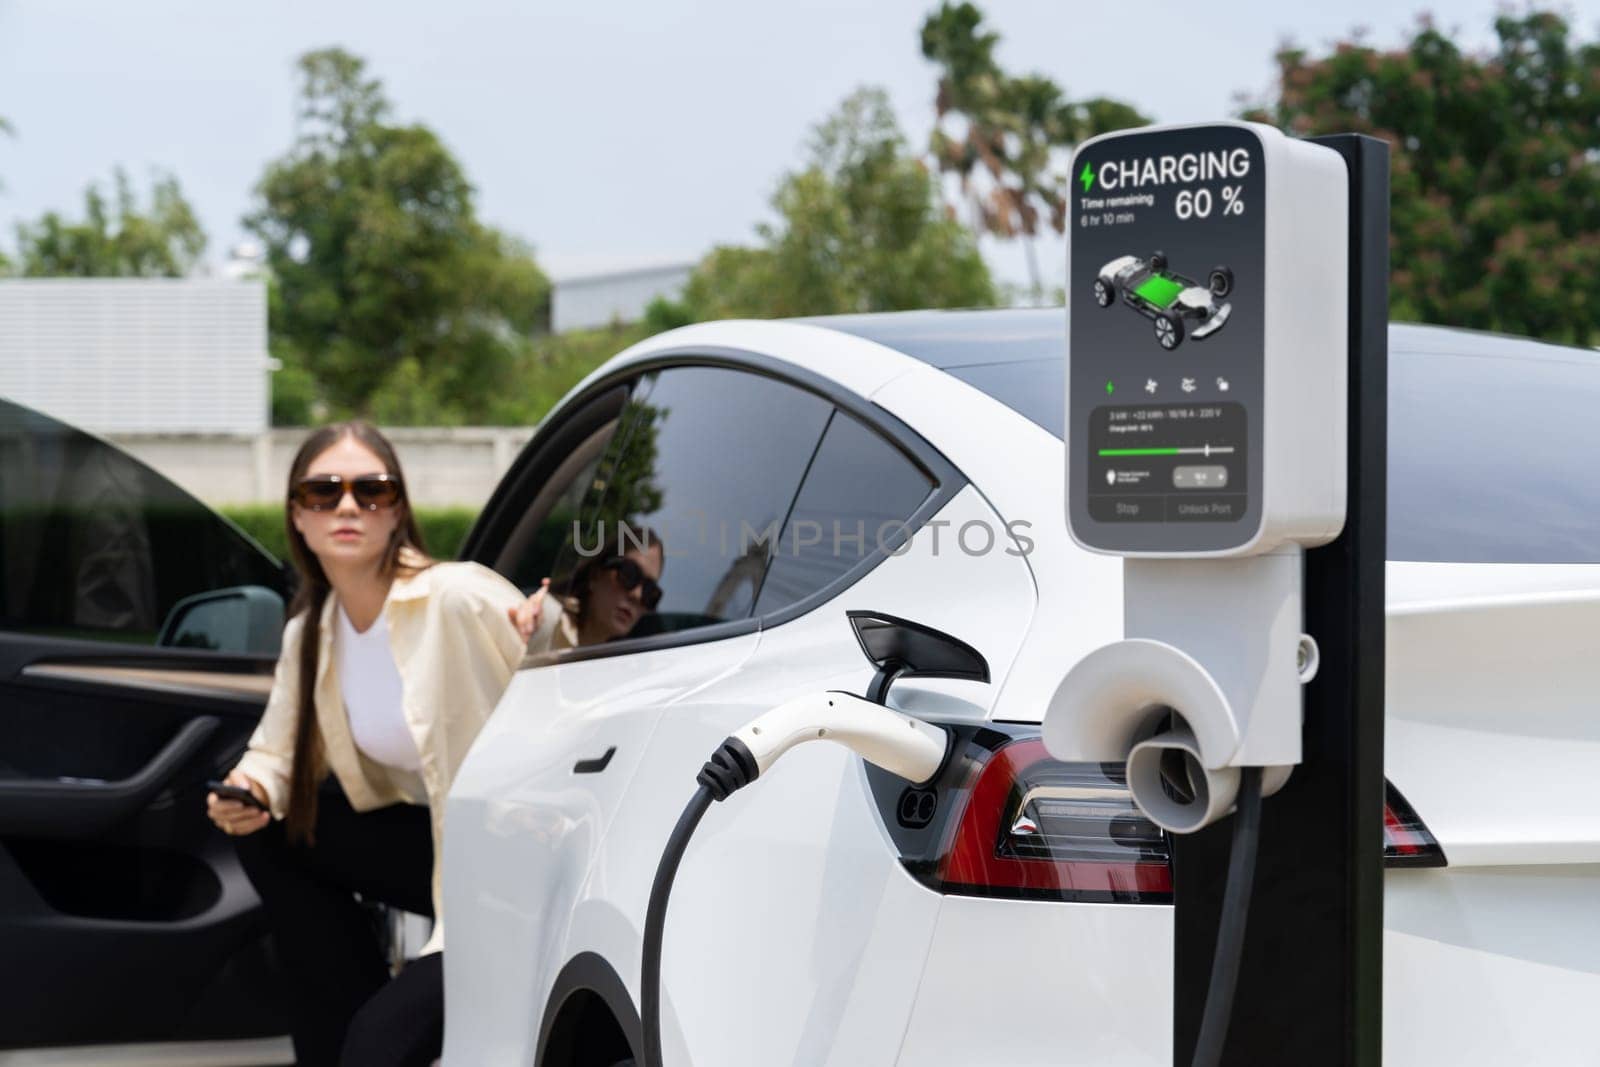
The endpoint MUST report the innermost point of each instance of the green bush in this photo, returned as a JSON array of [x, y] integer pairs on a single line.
[[443, 529]]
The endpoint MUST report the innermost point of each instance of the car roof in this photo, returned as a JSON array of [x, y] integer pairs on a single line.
[[986, 348], [978, 337], [951, 339]]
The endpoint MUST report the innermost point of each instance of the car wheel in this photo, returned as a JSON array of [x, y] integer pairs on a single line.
[[1103, 294], [1220, 282], [1169, 330], [1158, 261]]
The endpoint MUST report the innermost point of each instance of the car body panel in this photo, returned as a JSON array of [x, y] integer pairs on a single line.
[[1045, 985], [523, 827]]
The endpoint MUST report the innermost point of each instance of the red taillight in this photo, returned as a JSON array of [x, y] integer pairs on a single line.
[[1036, 827], [1406, 841]]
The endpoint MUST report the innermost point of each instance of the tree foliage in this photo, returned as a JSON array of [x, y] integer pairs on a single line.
[[1006, 138], [859, 229], [116, 238], [1495, 213], [391, 294]]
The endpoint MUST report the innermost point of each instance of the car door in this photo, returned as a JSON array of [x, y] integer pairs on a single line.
[[138, 631], [707, 455]]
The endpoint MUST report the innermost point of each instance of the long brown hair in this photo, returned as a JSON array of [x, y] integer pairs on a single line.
[[310, 596]]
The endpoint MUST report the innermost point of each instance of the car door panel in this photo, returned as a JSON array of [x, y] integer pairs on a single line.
[[114, 887], [138, 632], [523, 825]]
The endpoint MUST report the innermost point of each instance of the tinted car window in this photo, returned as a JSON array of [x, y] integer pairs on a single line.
[[1490, 444], [1036, 389], [859, 492], [707, 460], [1492, 458], [93, 544], [557, 507]]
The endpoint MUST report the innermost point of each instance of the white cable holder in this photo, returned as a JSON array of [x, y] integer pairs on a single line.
[[1185, 729]]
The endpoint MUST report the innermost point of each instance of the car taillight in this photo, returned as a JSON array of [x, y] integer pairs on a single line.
[[1406, 841], [1038, 828]]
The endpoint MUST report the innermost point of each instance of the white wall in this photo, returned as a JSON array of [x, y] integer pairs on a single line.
[[138, 355], [601, 299]]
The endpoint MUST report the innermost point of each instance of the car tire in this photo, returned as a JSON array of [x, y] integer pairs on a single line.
[[1169, 330], [1104, 294], [1220, 282], [1158, 261]]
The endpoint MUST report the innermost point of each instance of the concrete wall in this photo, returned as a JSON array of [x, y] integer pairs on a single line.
[[454, 466]]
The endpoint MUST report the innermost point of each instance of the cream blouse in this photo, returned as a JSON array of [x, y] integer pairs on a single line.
[[455, 648]]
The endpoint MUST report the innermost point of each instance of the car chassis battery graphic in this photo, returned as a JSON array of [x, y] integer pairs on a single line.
[[1166, 297]]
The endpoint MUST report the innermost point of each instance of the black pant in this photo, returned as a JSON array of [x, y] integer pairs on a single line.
[[346, 1009]]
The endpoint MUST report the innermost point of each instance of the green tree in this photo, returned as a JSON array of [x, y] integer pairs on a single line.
[[859, 229], [1495, 179], [116, 238], [392, 296], [1005, 138]]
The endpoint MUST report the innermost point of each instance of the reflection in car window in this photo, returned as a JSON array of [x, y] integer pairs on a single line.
[[705, 464], [94, 544], [860, 489]]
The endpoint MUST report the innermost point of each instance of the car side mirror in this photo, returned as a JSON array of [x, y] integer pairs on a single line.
[[243, 618]]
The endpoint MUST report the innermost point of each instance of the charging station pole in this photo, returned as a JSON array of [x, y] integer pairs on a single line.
[[1310, 989]]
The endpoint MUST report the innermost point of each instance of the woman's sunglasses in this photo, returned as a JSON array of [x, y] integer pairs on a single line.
[[372, 491], [630, 575]]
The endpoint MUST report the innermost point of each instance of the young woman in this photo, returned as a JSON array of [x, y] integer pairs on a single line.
[[391, 663]]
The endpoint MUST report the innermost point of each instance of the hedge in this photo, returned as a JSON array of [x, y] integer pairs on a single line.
[[443, 529]]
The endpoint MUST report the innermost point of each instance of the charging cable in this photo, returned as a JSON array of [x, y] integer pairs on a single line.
[[1230, 928], [898, 743]]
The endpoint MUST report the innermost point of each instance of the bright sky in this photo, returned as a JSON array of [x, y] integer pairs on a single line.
[[608, 134]]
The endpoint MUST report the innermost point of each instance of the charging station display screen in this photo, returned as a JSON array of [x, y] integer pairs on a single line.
[[1165, 301]]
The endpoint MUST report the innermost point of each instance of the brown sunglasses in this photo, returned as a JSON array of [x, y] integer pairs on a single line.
[[371, 491]]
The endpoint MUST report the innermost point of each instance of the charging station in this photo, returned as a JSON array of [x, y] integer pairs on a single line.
[[1225, 391]]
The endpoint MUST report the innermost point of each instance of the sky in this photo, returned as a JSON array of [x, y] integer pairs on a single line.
[[609, 134]]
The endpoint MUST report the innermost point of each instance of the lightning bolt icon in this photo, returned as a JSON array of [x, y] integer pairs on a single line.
[[1086, 177]]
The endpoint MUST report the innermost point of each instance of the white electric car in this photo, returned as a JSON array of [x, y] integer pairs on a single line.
[[910, 466]]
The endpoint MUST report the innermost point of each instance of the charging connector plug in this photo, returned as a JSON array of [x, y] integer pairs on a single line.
[[898, 743]]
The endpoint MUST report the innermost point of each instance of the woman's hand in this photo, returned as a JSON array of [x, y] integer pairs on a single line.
[[525, 616], [234, 817]]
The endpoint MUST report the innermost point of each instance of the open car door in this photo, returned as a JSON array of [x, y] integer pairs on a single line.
[[138, 632]]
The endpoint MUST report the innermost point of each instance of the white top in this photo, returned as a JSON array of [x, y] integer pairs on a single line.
[[369, 681]]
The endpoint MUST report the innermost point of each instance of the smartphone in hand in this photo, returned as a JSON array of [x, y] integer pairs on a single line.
[[235, 792]]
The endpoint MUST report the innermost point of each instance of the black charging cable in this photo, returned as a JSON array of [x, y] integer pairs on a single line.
[[1230, 928], [730, 768]]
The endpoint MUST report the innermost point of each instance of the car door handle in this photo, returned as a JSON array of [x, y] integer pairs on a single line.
[[596, 765], [78, 808]]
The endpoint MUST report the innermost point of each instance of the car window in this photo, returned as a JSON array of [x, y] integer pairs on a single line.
[[532, 551], [1491, 458], [695, 486], [858, 494], [94, 544]]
